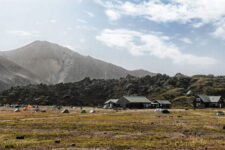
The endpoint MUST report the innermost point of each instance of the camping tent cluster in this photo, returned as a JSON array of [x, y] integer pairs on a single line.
[[29, 108], [64, 111], [139, 102]]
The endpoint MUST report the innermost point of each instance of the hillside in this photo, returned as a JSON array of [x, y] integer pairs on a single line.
[[12, 74], [55, 64], [95, 92]]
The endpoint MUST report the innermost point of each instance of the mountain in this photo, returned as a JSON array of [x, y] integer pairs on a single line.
[[55, 64], [12, 74]]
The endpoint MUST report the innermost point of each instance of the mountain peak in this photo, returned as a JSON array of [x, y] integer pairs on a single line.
[[42, 43], [43, 48], [54, 63]]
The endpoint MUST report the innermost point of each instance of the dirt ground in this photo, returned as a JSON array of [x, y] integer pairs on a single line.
[[111, 129]]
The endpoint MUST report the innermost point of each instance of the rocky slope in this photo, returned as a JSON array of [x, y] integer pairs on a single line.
[[180, 90], [56, 64], [12, 74]]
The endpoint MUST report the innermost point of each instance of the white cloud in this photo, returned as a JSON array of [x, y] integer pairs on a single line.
[[176, 10], [220, 31], [186, 40], [138, 44], [113, 15], [23, 33], [195, 12]]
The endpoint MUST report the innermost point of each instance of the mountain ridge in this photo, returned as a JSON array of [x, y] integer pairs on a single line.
[[55, 64], [12, 74], [50, 63]]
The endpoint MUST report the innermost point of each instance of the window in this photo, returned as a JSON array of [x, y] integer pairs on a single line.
[[198, 100]]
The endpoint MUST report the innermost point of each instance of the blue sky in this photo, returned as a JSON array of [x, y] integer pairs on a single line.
[[157, 35]]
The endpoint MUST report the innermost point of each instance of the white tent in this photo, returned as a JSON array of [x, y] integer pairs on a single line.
[[65, 111], [17, 110], [92, 111]]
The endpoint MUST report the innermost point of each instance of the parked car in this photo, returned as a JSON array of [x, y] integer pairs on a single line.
[[219, 113], [165, 111]]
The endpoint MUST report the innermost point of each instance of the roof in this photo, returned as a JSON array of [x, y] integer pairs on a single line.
[[204, 98], [214, 99], [153, 103], [210, 99], [112, 101], [165, 102], [137, 99]]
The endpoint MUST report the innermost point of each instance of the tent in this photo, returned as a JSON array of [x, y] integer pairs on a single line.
[[17, 110], [92, 111], [25, 109], [43, 110], [36, 110], [65, 111], [59, 107], [29, 107], [83, 111], [158, 110]]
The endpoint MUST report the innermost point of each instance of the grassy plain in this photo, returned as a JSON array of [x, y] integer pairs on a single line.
[[111, 129]]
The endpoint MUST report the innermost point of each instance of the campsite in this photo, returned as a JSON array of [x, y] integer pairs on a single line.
[[112, 75], [111, 129]]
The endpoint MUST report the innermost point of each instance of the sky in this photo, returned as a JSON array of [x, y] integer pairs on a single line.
[[162, 36]]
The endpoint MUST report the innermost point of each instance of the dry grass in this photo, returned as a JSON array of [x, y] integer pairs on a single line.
[[109, 129]]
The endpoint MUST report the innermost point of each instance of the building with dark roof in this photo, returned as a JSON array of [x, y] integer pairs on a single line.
[[134, 102], [204, 101], [111, 103], [162, 103]]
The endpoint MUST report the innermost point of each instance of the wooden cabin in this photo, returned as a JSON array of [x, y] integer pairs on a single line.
[[139, 102], [111, 103], [204, 101], [162, 103]]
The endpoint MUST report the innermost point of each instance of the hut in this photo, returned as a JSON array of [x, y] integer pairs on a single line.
[[111, 103], [204, 101], [162, 103], [134, 102]]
